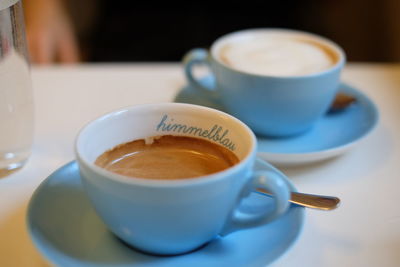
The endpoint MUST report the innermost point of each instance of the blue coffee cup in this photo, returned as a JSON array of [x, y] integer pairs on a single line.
[[176, 216], [272, 105]]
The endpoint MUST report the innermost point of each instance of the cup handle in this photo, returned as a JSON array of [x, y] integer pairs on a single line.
[[267, 178], [198, 56]]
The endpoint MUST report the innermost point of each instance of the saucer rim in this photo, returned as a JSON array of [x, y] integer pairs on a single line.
[[300, 158], [51, 255], [323, 154]]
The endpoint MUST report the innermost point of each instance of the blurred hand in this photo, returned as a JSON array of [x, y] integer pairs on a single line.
[[49, 32]]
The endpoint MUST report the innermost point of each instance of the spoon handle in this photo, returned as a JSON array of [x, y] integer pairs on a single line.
[[309, 200]]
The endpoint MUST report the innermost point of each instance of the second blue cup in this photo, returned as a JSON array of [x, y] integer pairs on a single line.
[[277, 81]]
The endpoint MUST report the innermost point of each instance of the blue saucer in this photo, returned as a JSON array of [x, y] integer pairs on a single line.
[[66, 230], [334, 134]]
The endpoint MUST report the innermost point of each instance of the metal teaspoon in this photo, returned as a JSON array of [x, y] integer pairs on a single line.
[[309, 200]]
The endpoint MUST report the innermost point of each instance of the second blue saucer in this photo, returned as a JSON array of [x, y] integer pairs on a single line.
[[333, 134]]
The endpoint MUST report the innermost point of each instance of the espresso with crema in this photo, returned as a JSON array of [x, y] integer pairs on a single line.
[[167, 157], [277, 55]]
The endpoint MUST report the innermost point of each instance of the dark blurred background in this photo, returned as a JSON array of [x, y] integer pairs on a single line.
[[368, 30]]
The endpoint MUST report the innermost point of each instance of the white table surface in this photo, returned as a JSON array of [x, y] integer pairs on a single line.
[[363, 231]]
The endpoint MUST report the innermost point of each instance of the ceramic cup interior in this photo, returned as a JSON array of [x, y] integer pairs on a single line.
[[141, 122]]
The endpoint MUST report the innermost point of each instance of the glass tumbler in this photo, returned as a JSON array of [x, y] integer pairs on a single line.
[[16, 97]]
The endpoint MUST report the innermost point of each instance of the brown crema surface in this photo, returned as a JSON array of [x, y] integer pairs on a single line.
[[167, 157]]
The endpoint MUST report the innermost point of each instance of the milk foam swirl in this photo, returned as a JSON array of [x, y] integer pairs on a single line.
[[277, 56]]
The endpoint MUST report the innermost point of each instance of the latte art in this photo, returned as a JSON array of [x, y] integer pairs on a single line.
[[277, 56]]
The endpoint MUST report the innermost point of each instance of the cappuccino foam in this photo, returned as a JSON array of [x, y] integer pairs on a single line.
[[277, 56]]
